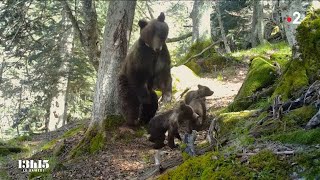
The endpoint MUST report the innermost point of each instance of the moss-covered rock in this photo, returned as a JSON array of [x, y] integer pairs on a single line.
[[261, 74]]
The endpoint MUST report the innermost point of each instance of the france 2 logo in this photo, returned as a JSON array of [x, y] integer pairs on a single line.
[[296, 18]]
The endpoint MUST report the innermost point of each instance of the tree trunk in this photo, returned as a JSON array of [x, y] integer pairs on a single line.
[[257, 29], [115, 44], [223, 34], [200, 16], [91, 31], [2, 65], [58, 109], [114, 49]]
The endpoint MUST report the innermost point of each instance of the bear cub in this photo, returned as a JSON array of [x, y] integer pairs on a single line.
[[202, 91], [196, 99], [169, 121]]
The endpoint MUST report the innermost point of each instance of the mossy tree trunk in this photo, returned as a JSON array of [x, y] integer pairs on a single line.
[[302, 70], [115, 44]]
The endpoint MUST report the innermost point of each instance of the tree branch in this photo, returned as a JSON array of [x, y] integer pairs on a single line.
[[182, 37], [73, 21], [204, 50]]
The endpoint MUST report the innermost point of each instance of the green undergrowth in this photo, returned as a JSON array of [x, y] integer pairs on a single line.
[[301, 136], [263, 50], [217, 165], [292, 121]]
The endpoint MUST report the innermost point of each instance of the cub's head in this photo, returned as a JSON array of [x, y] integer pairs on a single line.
[[154, 33], [204, 91], [186, 112]]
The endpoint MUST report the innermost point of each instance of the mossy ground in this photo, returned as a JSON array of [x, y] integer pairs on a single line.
[[217, 165]]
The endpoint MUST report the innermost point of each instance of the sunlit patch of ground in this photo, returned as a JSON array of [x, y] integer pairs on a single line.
[[225, 84]]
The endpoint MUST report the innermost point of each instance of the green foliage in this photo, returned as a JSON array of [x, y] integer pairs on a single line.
[[261, 74]]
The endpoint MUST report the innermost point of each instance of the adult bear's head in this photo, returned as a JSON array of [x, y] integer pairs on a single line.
[[154, 33]]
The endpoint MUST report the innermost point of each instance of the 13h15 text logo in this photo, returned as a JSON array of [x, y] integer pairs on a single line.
[[33, 165]]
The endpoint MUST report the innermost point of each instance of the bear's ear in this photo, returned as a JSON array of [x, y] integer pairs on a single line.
[[199, 86], [161, 17], [142, 23]]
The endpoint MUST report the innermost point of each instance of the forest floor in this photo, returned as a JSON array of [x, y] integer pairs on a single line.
[[123, 157]]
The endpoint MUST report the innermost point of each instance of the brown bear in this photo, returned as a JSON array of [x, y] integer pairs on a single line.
[[162, 77], [202, 91], [137, 98], [199, 106], [169, 121]]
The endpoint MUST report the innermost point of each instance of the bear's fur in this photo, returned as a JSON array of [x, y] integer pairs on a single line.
[[162, 78], [199, 106], [169, 121], [202, 91], [137, 98]]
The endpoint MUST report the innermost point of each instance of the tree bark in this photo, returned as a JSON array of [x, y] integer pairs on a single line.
[[58, 108], [91, 31], [116, 38], [200, 16], [223, 34], [257, 30]]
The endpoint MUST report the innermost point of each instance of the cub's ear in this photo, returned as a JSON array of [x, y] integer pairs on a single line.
[[182, 105], [199, 86], [161, 17], [142, 23]]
